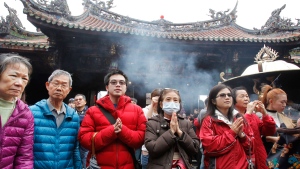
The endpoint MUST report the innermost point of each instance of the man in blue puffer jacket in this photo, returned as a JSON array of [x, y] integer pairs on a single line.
[[56, 127]]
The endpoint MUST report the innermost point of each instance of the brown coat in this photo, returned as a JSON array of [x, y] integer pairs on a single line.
[[161, 142], [286, 120]]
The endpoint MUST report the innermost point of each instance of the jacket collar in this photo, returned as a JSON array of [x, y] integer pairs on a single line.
[[223, 118], [20, 108], [106, 103], [47, 112]]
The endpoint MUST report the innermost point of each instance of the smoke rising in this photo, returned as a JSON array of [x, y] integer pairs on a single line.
[[154, 65]]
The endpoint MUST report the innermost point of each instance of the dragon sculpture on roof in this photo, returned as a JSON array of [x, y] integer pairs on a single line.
[[217, 15], [275, 23]]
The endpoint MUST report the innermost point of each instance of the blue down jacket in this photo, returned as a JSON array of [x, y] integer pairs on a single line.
[[55, 148]]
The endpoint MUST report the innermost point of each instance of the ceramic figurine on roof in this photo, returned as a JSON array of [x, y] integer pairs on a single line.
[[59, 7], [217, 15], [4, 27], [14, 35], [275, 23], [11, 20], [100, 4]]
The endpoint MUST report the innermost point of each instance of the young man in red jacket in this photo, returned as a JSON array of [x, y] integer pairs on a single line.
[[113, 142]]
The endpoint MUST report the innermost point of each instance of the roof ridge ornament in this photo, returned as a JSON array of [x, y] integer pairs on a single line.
[[5, 24], [217, 15], [162, 21], [266, 54], [59, 7], [163, 25], [275, 23], [100, 4], [13, 23]]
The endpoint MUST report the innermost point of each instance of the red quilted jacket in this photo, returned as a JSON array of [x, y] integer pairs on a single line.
[[265, 127], [16, 139], [112, 149], [222, 148]]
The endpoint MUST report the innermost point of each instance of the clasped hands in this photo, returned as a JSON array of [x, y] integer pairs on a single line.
[[256, 106], [238, 126], [174, 126], [118, 126]]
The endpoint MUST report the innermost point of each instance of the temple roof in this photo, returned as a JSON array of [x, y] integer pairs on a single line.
[[14, 36], [221, 27]]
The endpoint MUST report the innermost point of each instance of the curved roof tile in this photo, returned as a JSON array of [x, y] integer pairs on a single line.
[[201, 31]]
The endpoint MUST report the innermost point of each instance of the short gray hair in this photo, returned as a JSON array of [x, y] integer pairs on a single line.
[[83, 96], [59, 72], [7, 59]]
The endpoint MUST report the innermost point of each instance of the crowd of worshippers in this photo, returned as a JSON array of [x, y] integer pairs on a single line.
[[230, 132]]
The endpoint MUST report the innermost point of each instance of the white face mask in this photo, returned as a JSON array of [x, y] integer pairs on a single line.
[[170, 107]]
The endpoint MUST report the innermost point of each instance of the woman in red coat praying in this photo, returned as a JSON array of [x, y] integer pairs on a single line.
[[226, 138], [260, 127]]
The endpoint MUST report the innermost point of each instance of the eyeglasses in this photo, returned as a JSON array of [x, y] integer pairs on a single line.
[[56, 85], [114, 82], [223, 95]]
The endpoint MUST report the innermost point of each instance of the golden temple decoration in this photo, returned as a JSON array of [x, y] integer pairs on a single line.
[[266, 54]]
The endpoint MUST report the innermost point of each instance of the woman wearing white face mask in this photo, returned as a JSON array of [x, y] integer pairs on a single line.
[[170, 139]]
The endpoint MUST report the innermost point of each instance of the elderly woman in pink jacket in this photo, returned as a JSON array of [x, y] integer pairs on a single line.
[[16, 124]]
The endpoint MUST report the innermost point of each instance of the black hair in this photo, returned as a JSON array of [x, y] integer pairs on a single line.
[[211, 107], [114, 72], [162, 97], [234, 90]]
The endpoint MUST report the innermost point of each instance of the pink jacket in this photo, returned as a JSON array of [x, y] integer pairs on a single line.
[[16, 139]]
